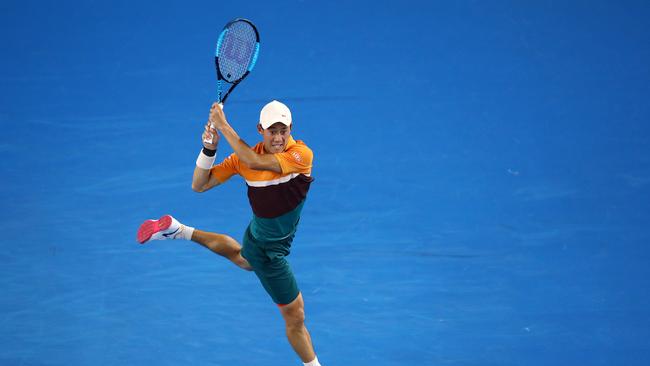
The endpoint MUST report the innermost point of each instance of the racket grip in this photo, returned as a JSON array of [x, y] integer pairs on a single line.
[[210, 140]]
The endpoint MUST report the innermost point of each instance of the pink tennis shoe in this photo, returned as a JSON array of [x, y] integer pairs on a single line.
[[164, 228]]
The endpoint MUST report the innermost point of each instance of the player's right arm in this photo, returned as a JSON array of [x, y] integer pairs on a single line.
[[202, 180]]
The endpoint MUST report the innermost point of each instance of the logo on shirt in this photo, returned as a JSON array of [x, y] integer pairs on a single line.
[[296, 156]]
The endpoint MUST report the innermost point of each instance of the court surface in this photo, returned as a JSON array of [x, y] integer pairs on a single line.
[[481, 194]]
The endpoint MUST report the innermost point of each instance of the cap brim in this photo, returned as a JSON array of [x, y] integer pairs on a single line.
[[266, 125]]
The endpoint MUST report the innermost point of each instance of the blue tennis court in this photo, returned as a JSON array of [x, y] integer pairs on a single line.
[[481, 193]]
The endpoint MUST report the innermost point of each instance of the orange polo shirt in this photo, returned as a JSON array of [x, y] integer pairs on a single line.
[[272, 194]]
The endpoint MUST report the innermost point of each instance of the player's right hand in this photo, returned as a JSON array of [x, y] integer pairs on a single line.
[[210, 137]]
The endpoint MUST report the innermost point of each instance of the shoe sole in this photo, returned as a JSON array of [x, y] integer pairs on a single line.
[[150, 227]]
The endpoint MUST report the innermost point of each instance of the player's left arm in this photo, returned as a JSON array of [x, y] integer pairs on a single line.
[[244, 152]]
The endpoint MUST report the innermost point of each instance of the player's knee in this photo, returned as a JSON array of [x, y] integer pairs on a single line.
[[295, 318]]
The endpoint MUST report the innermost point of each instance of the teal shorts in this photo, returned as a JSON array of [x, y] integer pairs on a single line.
[[268, 259]]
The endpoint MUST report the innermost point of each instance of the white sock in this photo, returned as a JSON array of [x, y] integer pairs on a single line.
[[313, 363], [186, 232]]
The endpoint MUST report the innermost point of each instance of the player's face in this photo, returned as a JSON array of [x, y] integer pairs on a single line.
[[275, 137]]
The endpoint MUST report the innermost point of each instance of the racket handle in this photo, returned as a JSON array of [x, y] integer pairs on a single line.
[[210, 140]]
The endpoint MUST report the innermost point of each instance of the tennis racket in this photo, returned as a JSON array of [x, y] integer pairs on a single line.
[[237, 49]]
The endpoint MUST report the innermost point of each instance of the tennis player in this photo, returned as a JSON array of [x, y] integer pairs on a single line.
[[278, 175]]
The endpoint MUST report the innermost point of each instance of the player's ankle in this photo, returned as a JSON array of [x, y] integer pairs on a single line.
[[185, 232]]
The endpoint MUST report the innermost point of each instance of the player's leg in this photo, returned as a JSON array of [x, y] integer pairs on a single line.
[[168, 227], [268, 258], [223, 245], [278, 280], [297, 333]]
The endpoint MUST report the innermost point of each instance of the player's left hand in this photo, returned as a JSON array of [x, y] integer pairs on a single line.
[[217, 117], [210, 137]]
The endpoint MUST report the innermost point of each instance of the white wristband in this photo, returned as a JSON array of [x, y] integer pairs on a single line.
[[204, 161]]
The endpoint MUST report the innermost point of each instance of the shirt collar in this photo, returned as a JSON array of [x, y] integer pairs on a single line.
[[290, 143]]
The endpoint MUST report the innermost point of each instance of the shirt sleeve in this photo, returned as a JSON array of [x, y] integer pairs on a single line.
[[226, 169], [297, 159]]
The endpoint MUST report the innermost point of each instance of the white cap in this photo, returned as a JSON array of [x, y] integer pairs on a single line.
[[275, 112]]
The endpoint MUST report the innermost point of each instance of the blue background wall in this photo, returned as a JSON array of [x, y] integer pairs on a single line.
[[481, 197]]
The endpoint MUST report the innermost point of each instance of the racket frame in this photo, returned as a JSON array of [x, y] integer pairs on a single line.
[[220, 79]]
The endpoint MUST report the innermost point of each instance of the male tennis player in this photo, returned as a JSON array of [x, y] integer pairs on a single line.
[[278, 175]]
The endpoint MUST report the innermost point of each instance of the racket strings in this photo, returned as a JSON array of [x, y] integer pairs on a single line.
[[237, 51]]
